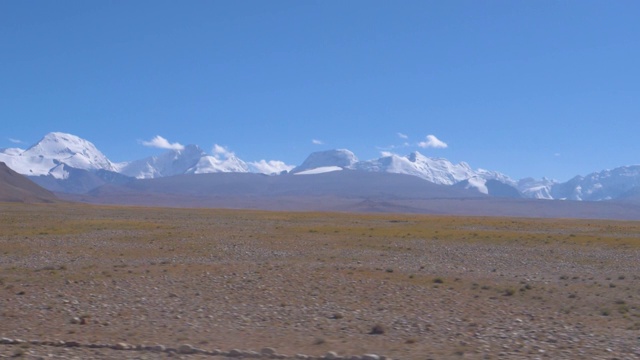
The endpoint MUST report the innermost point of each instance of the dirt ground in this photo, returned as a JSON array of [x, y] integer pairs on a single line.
[[88, 282]]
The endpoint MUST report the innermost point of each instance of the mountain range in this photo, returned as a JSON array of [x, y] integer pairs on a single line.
[[66, 163]]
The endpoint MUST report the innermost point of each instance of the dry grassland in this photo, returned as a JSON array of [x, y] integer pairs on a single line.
[[408, 287]]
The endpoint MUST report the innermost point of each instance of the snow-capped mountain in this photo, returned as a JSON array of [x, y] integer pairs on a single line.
[[189, 160], [49, 155], [68, 163], [603, 185], [213, 164], [326, 161], [536, 189], [437, 171]]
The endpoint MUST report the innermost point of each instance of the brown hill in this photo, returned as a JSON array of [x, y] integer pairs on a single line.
[[17, 188]]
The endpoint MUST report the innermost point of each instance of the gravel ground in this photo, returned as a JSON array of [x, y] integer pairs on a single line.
[[111, 283]]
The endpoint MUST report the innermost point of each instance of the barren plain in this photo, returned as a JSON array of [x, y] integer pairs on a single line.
[[92, 282]]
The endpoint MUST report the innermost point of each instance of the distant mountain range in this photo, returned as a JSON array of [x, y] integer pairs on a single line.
[[66, 163]]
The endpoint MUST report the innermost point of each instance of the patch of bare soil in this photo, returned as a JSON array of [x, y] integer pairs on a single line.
[[145, 283]]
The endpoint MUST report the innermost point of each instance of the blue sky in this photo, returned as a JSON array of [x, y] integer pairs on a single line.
[[528, 88]]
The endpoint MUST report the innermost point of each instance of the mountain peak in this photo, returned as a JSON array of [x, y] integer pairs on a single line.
[[415, 156], [342, 158], [54, 149]]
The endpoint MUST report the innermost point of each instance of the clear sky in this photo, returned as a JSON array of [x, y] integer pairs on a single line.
[[527, 88]]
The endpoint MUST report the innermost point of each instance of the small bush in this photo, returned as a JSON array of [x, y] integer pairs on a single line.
[[377, 329], [509, 292]]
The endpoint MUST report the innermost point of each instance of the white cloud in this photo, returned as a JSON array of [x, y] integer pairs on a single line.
[[162, 143], [433, 142], [269, 167], [15, 141], [220, 151], [316, 142], [402, 136], [386, 153]]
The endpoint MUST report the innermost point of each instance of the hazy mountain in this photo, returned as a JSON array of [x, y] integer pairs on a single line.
[[78, 181], [345, 190], [202, 189], [603, 185]]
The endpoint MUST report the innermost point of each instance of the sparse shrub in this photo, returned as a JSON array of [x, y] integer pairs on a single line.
[[605, 312], [389, 270], [377, 329], [438, 280], [319, 341], [509, 292]]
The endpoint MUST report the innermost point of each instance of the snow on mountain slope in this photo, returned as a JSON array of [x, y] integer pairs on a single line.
[[338, 158], [319, 170], [536, 189], [479, 184], [189, 160], [52, 150], [437, 171], [213, 164], [169, 163], [11, 151]]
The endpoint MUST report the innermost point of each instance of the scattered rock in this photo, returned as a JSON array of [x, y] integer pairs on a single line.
[[331, 355], [121, 346], [235, 353], [186, 349], [268, 351]]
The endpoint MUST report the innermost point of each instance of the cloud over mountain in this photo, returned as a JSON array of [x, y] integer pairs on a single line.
[[269, 167], [162, 143], [433, 142]]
